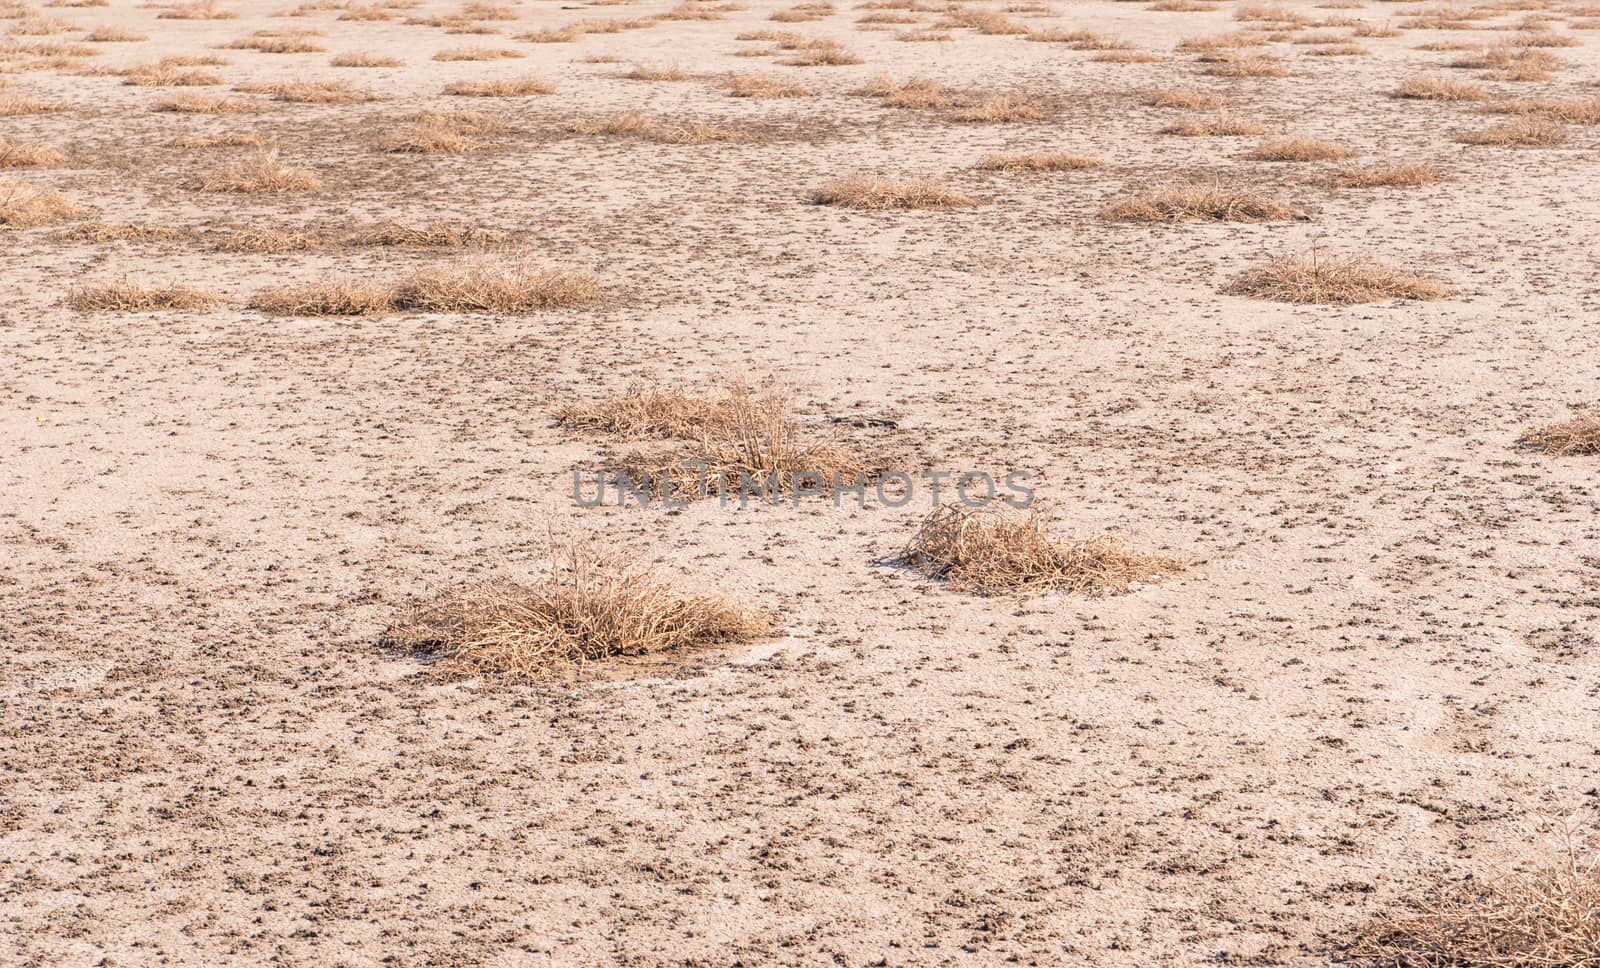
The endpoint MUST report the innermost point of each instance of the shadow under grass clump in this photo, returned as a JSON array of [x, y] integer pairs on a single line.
[[1014, 552], [589, 607]]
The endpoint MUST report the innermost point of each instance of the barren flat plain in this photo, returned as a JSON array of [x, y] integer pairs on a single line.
[[310, 314]]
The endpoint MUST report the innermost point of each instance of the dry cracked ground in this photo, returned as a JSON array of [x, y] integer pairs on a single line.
[[1378, 664]]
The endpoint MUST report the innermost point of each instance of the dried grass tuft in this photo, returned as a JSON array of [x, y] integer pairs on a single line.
[[1245, 65], [268, 241], [1524, 132], [651, 411], [1299, 149], [260, 173], [23, 205], [228, 139], [1184, 97], [1011, 552], [1428, 88], [328, 296], [16, 105], [118, 232], [114, 34], [642, 72], [518, 87], [1584, 110], [1038, 161], [1396, 174], [1579, 436], [999, 109], [738, 439], [1200, 201], [491, 286], [1215, 126], [429, 235], [477, 54], [365, 60], [1308, 279], [920, 93], [312, 92], [22, 154], [1545, 914], [436, 135], [764, 87], [591, 605], [188, 102], [128, 295], [872, 193], [635, 125]]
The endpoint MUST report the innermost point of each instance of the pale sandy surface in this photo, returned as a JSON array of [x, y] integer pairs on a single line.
[[1383, 654]]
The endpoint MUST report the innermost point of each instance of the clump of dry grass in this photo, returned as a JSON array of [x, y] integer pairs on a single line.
[[1184, 98], [1578, 436], [118, 232], [635, 125], [203, 10], [1038, 161], [1544, 915], [327, 296], [428, 235], [365, 60], [227, 139], [1307, 279], [1127, 57], [642, 72], [312, 92], [1569, 111], [493, 286], [279, 42], [519, 87], [477, 54], [15, 105], [920, 93], [651, 411], [1299, 149], [129, 295], [23, 154], [1512, 64], [1215, 126], [260, 173], [872, 193], [1524, 132], [1076, 39], [589, 607], [166, 74], [268, 241], [821, 53], [23, 205], [1012, 552], [434, 135], [1199, 201], [1245, 65], [981, 20], [804, 12], [764, 87], [114, 34], [740, 439], [999, 109], [1429, 88], [188, 102], [1397, 174]]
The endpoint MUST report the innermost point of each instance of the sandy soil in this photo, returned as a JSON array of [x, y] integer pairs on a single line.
[[1381, 659]]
